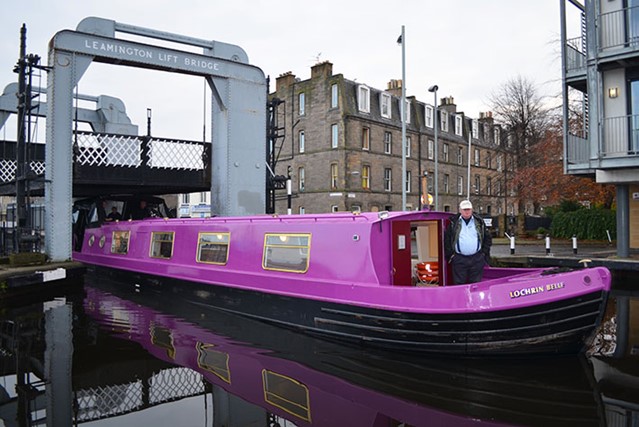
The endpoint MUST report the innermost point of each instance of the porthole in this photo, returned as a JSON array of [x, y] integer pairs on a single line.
[[92, 240], [102, 241]]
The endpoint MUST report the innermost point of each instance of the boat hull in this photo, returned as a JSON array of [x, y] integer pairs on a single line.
[[558, 327]]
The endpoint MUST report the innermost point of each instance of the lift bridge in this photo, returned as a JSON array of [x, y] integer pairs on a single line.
[[111, 159]]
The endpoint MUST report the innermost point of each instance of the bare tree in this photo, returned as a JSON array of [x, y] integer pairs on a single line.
[[519, 107]]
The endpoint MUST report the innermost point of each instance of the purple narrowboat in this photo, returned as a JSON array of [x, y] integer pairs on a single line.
[[378, 279]]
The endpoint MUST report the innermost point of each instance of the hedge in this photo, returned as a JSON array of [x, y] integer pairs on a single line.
[[588, 224]]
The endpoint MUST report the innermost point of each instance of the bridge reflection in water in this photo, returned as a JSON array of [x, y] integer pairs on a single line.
[[147, 355]]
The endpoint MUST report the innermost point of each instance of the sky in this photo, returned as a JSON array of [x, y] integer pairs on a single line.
[[467, 47]]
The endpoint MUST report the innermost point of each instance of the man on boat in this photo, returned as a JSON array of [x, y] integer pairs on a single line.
[[467, 244]]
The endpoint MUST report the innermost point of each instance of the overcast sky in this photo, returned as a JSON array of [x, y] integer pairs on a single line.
[[467, 47]]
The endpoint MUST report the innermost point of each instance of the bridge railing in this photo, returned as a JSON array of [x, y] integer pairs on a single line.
[[129, 151]]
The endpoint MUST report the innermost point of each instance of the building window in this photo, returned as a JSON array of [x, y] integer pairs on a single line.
[[334, 136], [499, 163], [407, 111], [489, 160], [213, 248], [497, 136], [385, 104], [301, 177], [301, 210], [333, 176], [460, 185], [408, 144], [388, 175], [161, 244], [477, 184], [334, 95], [477, 157], [429, 116], [489, 186], [460, 155], [444, 121], [446, 184], [387, 142], [486, 132], [475, 128], [445, 152], [431, 149], [498, 189], [185, 198], [302, 142], [334, 208], [366, 177], [459, 129], [408, 181], [302, 103], [364, 99], [366, 139], [203, 197]]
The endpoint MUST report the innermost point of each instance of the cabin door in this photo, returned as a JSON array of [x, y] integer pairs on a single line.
[[402, 271]]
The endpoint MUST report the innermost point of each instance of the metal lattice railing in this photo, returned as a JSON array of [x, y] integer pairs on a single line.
[[169, 154], [165, 386], [8, 169], [107, 150], [130, 151]]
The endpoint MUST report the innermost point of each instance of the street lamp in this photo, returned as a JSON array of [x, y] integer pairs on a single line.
[[402, 40], [434, 89]]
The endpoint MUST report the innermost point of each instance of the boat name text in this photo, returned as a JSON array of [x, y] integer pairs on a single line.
[[524, 292]]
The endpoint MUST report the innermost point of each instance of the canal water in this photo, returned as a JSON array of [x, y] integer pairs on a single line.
[[115, 354]]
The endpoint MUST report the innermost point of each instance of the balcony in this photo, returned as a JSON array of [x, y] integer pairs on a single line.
[[575, 55], [620, 137], [577, 149], [619, 146], [619, 33]]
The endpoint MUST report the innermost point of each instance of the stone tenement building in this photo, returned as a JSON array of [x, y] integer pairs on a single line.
[[343, 146]]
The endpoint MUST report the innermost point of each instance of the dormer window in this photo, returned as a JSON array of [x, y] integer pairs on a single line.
[[459, 128], [444, 121], [407, 111], [428, 113], [364, 99], [385, 105]]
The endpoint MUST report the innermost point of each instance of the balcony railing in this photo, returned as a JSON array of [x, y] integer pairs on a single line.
[[619, 29], [575, 54], [578, 149], [620, 136]]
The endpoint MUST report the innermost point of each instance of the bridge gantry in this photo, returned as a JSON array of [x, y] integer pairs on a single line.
[[238, 115]]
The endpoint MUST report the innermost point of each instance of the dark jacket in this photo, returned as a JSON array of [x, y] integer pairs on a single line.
[[451, 236]]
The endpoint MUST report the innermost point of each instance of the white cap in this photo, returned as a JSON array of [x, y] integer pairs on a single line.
[[465, 204]]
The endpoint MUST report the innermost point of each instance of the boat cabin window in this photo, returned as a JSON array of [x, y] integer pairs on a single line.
[[214, 361], [161, 244], [213, 248], [120, 242], [286, 252], [287, 394]]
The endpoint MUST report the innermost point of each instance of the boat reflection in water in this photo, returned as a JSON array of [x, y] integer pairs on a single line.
[[295, 379]]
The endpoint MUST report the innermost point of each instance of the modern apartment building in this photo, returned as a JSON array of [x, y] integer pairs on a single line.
[[343, 146], [600, 56]]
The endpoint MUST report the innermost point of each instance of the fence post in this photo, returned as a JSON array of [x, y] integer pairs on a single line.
[[547, 244], [574, 244]]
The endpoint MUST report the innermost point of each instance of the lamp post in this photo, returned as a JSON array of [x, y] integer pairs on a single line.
[[434, 89], [402, 40]]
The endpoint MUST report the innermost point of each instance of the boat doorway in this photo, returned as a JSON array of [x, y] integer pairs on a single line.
[[418, 253]]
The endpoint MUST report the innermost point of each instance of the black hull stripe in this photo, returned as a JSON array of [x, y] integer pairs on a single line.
[[467, 317]]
